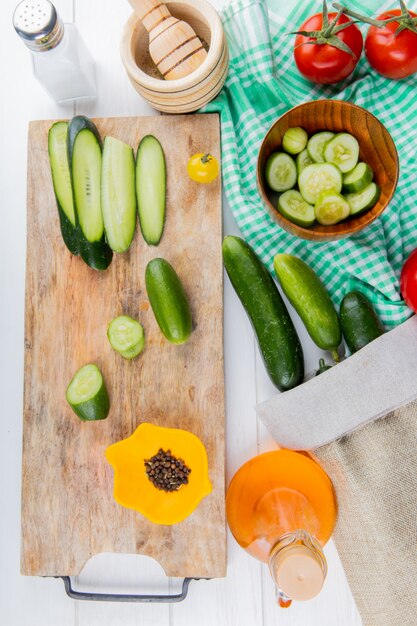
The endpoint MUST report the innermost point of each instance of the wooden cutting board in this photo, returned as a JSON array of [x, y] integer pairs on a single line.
[[68, 511]]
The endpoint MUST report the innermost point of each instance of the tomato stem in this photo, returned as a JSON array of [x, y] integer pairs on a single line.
[[206, 157], [405, 20]]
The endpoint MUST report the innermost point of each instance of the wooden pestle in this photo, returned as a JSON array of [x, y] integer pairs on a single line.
[[173, 45]]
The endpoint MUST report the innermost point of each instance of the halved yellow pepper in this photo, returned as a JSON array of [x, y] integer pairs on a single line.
[[134, 490]]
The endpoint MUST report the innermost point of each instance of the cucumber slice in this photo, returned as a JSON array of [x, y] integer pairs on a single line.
[[292, 205], [316, 145], [343, 151], [126, 336], [280, 171], [358, 178], [302, 161], [318, 178], [294, 140], [151, 189], [331, 208], [61, 179], [118, 196], [84, 156], [87, 394], [363, 200]]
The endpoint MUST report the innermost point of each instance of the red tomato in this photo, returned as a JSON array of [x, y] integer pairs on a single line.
[[408, 281], [323, 63], [393, 56]]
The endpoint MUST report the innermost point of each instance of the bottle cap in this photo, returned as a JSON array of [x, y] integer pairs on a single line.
[[38, 24], [298, 572]]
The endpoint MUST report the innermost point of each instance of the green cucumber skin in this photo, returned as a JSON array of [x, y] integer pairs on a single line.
[[310, 299], [168, 300], [95, 409], [96, 254], [68, 230], [277, 338], [360, 323]]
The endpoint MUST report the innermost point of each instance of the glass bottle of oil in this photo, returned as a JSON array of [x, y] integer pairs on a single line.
[[281, 509]]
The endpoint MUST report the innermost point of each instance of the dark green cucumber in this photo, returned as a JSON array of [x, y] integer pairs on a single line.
[[277, 338], [84, 157], [310, 299], [87, 394], [58, 159], [118, 195], [360, 323], [168, 300], [151, 189], [323, 367]]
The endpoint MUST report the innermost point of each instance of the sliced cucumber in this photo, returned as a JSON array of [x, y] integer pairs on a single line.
[[343, 151], [118, 195], [331, 208], [358, 178], [87, 394], [126, 336], [280, 171], [58, 159], [292, 205], [302, 161], [318, 178], [84, 156], [363, 200], [294, 140], [151, 189], [316, 145]]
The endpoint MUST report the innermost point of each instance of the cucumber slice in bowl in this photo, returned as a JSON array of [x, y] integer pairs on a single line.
[[302, 161], [84, 156], [151, 189], [292, 205], [280, 171], [294, 140], [318, 178], [343, 151], [316, 145], [331, 208], [363, 200], [87, 394], [126, 336], [358, 178], [61, 179], [118, 195]]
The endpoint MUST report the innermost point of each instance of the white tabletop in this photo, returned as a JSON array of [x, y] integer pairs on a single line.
[[246, 596]]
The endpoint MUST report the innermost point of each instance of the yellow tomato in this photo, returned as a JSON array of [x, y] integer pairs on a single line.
[[203, 168]]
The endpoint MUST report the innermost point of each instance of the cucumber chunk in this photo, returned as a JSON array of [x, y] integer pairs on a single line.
[[316, 145], [151, 189], [280, 171], [294, 140], [292, 205], [118, 196], [358, 178], [87, 394], [86, 174], [363, 200], [302, 161], [61, 179], [126, 336], [318, 178], [343, 151], [331, 208]]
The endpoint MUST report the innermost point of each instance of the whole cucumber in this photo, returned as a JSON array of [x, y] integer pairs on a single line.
[[310, 299], [168, 301], [360, 323], [277, 338]]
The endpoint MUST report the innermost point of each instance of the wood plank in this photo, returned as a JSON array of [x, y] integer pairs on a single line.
[[68, 512]]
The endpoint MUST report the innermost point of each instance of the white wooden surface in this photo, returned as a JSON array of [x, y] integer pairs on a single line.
[[246, 596]]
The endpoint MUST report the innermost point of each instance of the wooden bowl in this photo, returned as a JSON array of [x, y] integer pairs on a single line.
[[376, 148], [193, 91]]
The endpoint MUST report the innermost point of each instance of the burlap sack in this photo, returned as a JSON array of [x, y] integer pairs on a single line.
[[372, 461]]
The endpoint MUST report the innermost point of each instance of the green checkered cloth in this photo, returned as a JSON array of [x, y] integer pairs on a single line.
[[262, 84]]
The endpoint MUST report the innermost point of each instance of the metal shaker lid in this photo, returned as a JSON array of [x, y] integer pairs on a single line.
[[38, 24]]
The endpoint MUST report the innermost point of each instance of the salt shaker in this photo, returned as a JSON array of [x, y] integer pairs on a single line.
[[61, 61]]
